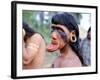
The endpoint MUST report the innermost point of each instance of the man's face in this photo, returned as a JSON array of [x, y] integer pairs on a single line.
[[57, 41]]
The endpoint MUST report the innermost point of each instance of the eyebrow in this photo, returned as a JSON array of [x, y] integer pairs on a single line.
[[55, 26]]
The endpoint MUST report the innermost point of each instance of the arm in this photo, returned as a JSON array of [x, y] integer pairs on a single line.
[[31, 49]]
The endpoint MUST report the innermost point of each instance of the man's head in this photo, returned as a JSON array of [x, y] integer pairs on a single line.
[[64, 32]]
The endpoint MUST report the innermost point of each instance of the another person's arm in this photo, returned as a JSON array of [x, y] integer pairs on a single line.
[[31, 48]]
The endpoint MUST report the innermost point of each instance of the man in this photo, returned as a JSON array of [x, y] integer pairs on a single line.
[[33, 48], [65, 38], [86, 49]]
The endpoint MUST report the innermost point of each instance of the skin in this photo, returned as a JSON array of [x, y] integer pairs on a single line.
[[33, 56], [67, 57]]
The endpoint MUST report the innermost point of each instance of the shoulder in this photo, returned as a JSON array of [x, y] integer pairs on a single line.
[[84, 41], [37, 36], [73, 62]]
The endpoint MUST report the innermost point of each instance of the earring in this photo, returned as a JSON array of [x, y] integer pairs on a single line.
[[73, 37]]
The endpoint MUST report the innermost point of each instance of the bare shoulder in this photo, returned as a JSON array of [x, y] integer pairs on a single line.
[[37, 36], [75, 62]]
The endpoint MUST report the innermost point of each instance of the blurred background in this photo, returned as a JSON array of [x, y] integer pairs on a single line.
[[40, 21]]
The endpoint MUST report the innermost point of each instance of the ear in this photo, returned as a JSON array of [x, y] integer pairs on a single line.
[[73, 36]]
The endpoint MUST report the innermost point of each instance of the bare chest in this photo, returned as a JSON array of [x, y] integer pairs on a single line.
[[66, 62]]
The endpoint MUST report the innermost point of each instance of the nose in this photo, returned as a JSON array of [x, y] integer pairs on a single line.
[[54, 35]]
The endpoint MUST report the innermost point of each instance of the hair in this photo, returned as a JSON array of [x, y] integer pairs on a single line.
[[29, 31], [70, 23], [89, 30], [88, 36]]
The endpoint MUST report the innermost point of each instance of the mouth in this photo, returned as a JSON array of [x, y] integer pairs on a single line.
[[53, 46]]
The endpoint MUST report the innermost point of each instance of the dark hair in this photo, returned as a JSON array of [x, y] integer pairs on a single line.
[[69, 22], [89, 29], [29, 31]]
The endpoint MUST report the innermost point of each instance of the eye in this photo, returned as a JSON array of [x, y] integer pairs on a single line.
[[53, 29], [60, 30]]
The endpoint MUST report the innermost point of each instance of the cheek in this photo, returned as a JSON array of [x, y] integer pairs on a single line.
[[64, 40], [61, 42]]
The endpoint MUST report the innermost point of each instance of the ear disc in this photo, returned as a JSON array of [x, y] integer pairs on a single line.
[[73, 36]]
